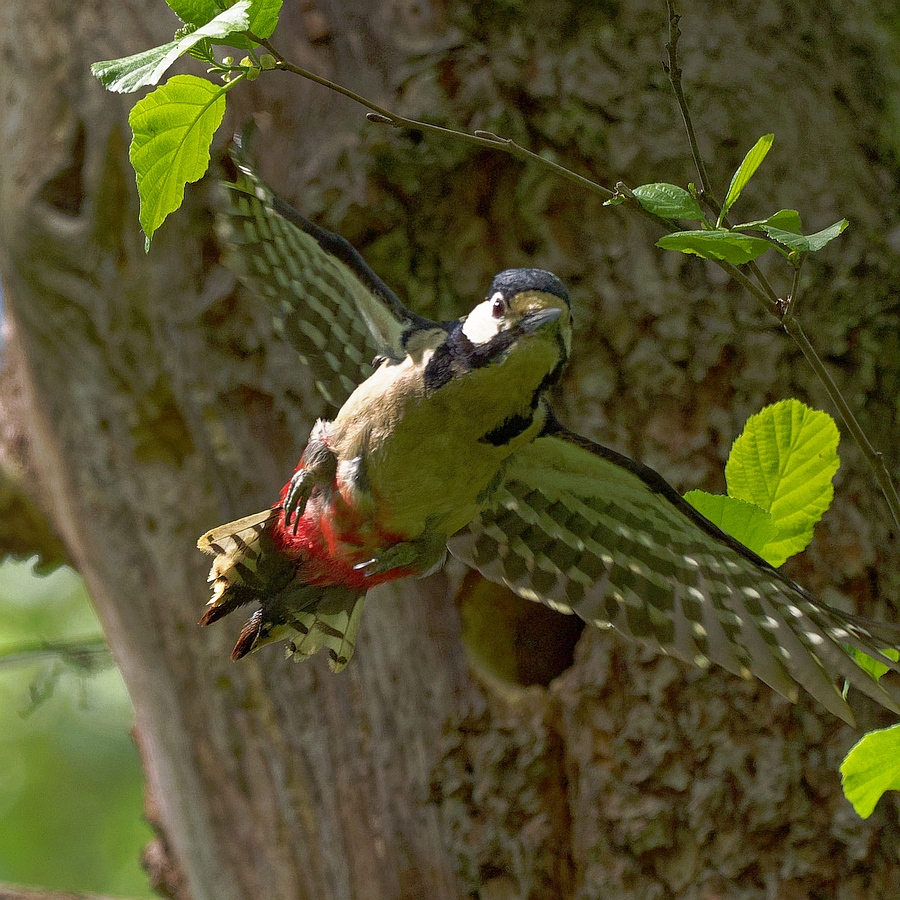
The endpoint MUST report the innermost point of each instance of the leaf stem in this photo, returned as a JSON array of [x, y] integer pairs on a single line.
[[794, 295], [673, 70], [761, 288]]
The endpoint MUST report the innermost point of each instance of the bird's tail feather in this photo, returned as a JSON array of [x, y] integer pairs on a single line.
[[249, 568]]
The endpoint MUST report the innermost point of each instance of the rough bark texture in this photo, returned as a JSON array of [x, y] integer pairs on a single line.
[[158, 404]]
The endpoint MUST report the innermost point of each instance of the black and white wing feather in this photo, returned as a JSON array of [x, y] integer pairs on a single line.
[[583, 529], [328, 304]]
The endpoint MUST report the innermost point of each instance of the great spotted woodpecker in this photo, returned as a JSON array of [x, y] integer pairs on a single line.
[[444, 440]]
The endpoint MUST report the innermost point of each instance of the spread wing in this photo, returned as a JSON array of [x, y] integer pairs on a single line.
[[586, 530], [328, 304]]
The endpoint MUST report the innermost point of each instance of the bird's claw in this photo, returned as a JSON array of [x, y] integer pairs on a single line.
[[402, 555], [418, 556], [367, 567], [298, 494]]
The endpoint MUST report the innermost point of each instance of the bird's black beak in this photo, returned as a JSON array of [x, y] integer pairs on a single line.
[[532, 321]]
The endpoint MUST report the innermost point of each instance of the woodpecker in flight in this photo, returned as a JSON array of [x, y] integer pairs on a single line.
[[444, 440]]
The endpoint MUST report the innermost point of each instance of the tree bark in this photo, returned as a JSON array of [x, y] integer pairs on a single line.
[[158, 403]]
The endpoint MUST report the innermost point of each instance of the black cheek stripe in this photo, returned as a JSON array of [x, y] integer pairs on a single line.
[[511, 428]]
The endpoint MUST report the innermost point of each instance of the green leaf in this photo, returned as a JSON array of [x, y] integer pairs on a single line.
[[787, 219], [784, 462], [752, 526], [873, 666], [871, 768], [173, 127], [668, 201], [264, 17], [730, 246], [787, 238], [195, 12], [806, 243], [745, 172], [818, 240], [142, 69], [263, 13]]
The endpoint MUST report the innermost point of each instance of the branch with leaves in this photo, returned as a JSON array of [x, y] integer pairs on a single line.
[[173, 127]]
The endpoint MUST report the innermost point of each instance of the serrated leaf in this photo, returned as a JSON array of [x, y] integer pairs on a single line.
[[818, 240], [787, 219], [806, 242], [173, 127], [745, 172], [784, 461], [730, 246], [871, 768], [787, 238], [746, 522], [133, 72], [668, 201]]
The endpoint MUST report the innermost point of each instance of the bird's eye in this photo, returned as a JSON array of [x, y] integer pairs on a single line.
[[498, 306]]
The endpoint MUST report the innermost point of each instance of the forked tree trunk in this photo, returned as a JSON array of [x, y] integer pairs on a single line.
[[157, 403]]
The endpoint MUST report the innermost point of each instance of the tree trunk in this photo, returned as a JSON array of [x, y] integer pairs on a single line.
[[157, 403]]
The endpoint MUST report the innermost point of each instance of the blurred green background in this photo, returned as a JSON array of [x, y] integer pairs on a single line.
[[70, 778]]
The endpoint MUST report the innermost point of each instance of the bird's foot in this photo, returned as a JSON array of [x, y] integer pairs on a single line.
[[418, 556], [298, 493], [318, 465]]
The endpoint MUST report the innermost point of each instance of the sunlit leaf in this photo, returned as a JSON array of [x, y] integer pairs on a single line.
[[874, 667], [264, 17], [146, 68], [786, 219], [195, 12], [806, 242], [729, 246], [745, 172], [784, 461], [871, 768], [668, 201], [173, 127], [752, 526]]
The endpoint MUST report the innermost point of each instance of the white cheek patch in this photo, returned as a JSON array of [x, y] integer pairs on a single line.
[[480, 325]]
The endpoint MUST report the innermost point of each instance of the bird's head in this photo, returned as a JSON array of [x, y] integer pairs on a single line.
[[522, 307]]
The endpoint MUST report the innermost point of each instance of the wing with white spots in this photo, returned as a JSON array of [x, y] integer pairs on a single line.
[[585, 530], [328, 304]]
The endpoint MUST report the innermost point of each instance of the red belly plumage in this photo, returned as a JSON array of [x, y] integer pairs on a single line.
[[331, 539]]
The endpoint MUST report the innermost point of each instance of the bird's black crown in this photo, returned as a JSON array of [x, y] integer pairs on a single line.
[[514, 281]]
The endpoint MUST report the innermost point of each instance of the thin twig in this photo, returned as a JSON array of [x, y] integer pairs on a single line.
[[481, 138], [772, 306], [82, 653], [762, 290], [874, 458], [673, 70]]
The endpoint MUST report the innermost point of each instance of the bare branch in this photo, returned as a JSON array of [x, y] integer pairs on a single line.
[[13, 892]]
